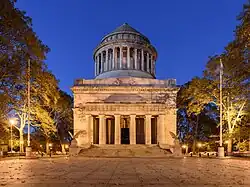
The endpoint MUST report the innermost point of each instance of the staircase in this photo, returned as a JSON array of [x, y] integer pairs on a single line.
[[124, 151]]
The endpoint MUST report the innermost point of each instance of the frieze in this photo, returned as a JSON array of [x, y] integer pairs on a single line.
[[130, 89], [131, 107]]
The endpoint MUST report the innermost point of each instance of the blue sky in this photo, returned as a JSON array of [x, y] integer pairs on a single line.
[[184, 32]]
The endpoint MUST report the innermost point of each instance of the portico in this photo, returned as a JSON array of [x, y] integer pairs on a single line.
[[124, 129]]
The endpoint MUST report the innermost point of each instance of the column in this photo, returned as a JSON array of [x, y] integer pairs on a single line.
[[117, 129], [148, 129], [107, 60], [132, 129], [113, 59], [161, 129], [102, 68], [102, 130], [95, 67], [142, 60], [121, 56], [152, 64], [135, 58], [148, 70], [128, 57], [90, 132]]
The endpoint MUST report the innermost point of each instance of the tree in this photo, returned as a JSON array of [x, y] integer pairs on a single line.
[[200, 92], [194, 104], [19, 44], [236, 73], [63, 116]]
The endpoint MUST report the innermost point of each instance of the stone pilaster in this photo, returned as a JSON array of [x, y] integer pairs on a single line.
[[148, 129], [102, 130], [161, 129], [132, 129], [170, 126], [117, 129]]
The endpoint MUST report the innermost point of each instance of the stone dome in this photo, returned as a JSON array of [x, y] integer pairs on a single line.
[[125, 52]]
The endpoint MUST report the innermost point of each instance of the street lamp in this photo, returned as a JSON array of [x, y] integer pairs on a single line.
[[12, 122], [221, 152]]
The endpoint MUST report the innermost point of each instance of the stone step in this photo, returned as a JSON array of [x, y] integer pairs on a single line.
[[124, 151]]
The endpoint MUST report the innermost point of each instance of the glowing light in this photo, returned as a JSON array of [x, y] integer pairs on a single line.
[[184, 146], [199, 144], [50, 145], [12, 121]]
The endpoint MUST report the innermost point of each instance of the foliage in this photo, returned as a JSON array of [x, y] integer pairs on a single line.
[[18, 45], [196, 95]]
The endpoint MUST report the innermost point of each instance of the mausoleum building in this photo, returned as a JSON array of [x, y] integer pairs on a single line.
[[124, 103]]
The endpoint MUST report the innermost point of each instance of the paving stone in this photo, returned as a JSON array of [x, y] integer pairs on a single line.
[[79, 171]]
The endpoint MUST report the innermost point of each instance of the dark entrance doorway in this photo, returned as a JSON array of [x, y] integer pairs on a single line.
[[110, 131], [125, 131], [96, 131], [140, 131], [154, 130]]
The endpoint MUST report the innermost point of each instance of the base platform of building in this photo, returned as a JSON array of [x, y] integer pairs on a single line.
[[125, 151]]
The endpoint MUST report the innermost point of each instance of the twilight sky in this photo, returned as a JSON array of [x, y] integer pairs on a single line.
[[184, 32]]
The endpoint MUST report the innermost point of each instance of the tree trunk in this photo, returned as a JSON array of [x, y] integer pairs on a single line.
[[196, 134], [249, 144], [229, 145], [47, 147], [21, 142], [63, 148], [194, 146]]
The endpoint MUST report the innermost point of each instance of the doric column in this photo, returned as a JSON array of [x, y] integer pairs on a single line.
[[121, 56], [142, 60], [152, 64], [148, 70], [102, 130], [107, 60], [95, 67], [102, 67], [113, 59], [132, 129], [148, 129], [98, 70], [161, 129], [100, 63], [117, 129], [90, 132], [128, 57], [135, 58]]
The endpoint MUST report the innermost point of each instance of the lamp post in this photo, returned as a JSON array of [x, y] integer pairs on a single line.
[[221, 152], [28, 148], [12, 122]]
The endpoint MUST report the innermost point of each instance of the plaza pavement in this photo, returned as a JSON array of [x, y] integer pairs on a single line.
[[80, 171]]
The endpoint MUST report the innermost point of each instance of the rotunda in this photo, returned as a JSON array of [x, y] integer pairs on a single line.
[[125, 52]]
